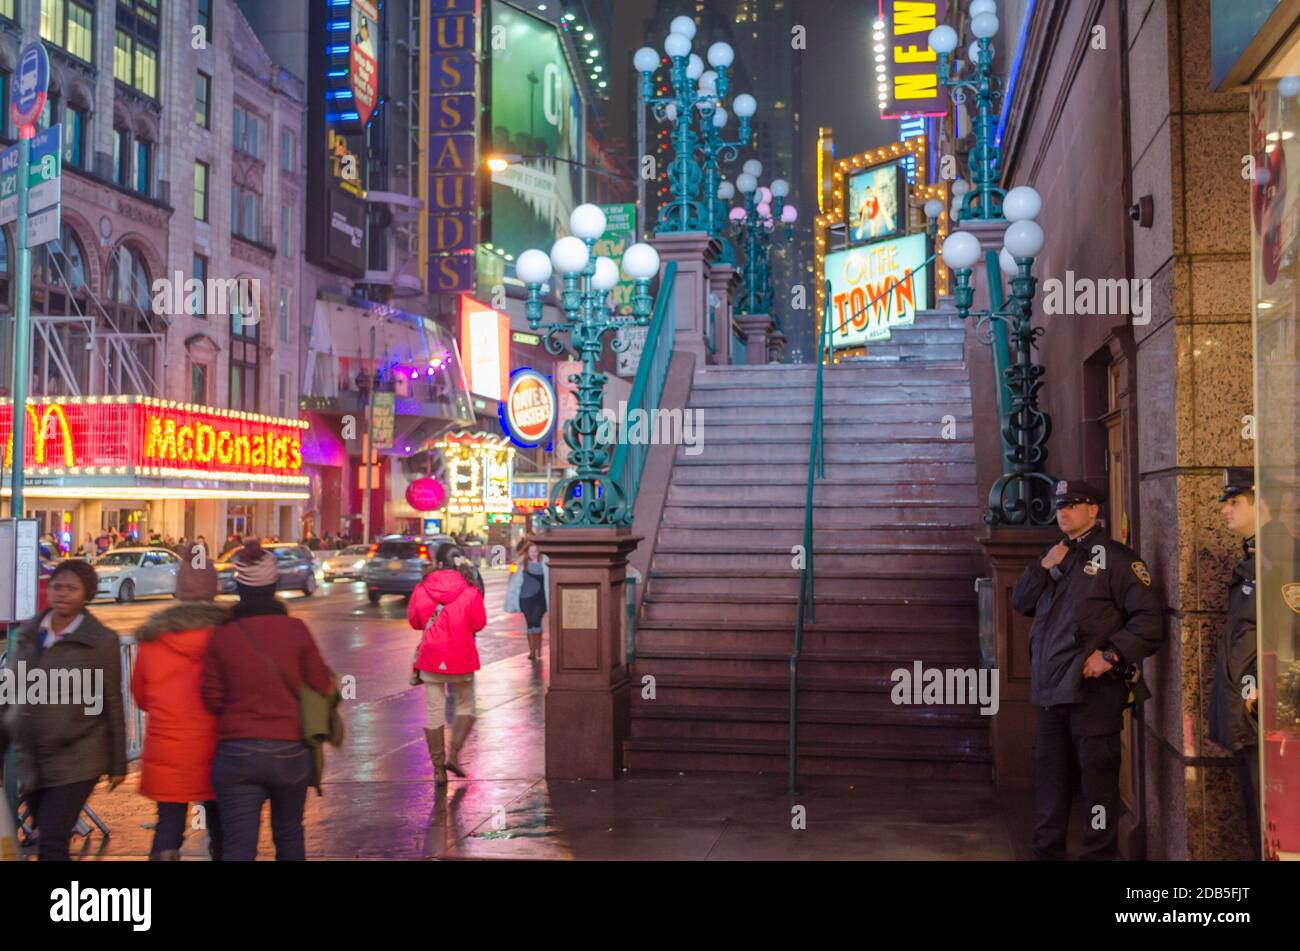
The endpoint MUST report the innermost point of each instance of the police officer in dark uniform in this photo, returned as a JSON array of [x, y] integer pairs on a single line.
[[1233, 723], [1096, 617]]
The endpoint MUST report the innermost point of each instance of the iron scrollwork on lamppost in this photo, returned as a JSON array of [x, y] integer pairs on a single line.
[[590, 498], [1022, 496], [756, 224], [694, 91], [986, 87]]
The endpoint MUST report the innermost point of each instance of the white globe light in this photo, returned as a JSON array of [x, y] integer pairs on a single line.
[[984, 25], [982, 6], [726, 191], [933, 208], [960, 187], [533, 267], [753, 167], [738, 214], [587, 221], [954, 212], [721, 55], [695, 68], [1022, 203], [683, 25], [745, 105], [764, 210], [961, 249], [671, 111], [789, 214], [1288, 86], [709, 82], [943, 39], [719, 118], [646, 60], [677, 45], [746, 183], [606, 276], [570, 255], [1008, 264], [780, 188], [1024, 239], [764, 195], [641, 262], [973, 52]]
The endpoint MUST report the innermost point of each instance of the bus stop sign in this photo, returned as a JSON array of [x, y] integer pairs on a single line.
[[30, 83]]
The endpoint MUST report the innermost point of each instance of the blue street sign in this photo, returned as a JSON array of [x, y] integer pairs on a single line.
[[30, 83]]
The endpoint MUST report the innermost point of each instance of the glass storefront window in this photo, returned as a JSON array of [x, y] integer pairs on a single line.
[[1276, 278]]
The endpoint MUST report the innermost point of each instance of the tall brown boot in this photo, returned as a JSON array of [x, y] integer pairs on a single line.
[[459, 730], [434, 740]]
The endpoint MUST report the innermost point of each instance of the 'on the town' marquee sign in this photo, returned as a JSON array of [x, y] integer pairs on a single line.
[[135, 435]]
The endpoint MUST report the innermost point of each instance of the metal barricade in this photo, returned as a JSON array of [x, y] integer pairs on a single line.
[[133, 715]]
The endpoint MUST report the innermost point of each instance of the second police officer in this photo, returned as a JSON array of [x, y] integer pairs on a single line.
[[1096, 617]]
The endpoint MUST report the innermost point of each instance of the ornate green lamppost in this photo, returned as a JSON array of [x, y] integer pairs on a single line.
[[984, 199], [714, 149], [1022, 496], [685, 211], [756, 225], [590, 498]]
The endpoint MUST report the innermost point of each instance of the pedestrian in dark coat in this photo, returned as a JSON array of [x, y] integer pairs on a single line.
[[1096, 617], [65, 747], [254, 668]]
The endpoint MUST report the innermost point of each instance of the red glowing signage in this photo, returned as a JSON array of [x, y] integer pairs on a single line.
[[363, 58], [154, 437]]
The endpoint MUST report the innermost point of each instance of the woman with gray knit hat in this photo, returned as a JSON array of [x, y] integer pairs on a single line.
[[256, 573], [181, 736]]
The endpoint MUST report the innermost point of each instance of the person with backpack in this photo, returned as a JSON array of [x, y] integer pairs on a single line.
[[181, 734], [253, 674], [448, 607]]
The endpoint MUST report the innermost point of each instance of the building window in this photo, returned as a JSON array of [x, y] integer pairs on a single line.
[[200, 273], [205, 18], [74, 132], [248, 133], [246, 213], [143, 166], [288, 150], [70, 24], [130, 306], [243, 361], [198, 384], [7, 9], [286, 231], [282, 399], [284, 315], [203, 101], [201, 191], [135, 45], [122, 157]]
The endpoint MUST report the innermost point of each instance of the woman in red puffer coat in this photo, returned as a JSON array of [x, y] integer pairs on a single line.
[[448, 607]]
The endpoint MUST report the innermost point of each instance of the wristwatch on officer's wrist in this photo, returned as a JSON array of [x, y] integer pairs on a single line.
[[1112, 657]]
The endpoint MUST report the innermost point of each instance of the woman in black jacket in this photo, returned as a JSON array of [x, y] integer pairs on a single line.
[[66, 743]]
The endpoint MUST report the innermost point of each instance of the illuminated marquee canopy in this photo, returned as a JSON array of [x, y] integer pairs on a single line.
[[480, 467], [78, 441]]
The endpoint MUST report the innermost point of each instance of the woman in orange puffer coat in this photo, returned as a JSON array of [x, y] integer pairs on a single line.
[[180, 736]]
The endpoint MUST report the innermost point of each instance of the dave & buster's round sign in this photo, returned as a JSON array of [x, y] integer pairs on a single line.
[[529, 409]]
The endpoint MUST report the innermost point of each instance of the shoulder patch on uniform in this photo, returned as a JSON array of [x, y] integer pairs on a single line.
[[1140, 569], [1291, 594]]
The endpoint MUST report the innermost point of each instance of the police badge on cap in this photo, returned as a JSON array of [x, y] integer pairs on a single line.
[[1073, 491], [1236, 480]]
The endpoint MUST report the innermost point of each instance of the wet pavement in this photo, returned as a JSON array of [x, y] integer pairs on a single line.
[[379, 800]]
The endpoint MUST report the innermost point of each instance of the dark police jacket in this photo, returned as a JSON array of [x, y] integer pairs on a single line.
[[1104, 596], [1230, 725]]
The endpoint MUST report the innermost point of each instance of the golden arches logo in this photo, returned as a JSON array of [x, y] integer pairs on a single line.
[[40, 433]]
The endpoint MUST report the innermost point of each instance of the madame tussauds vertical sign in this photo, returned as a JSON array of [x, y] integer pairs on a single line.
[[363, 60]]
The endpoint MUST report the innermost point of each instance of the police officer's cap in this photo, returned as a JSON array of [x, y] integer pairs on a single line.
[[1073, 491], [1236, 480]]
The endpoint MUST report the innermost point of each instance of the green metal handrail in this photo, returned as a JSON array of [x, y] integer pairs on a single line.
[[648, 385]]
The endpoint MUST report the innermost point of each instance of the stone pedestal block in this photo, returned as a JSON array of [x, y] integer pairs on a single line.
[[757, 329], [722, 282], [692, 250]]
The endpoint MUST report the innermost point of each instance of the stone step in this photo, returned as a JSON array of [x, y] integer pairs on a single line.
[[865, 642], [875, 450], [757, 604], [931, 412], [878, 480], [712, 430], [825, 583], [878, 760], [916, 390], [763, 678], [824, 516], [836, 377], [776, 559], [738, 538], [826, 495]]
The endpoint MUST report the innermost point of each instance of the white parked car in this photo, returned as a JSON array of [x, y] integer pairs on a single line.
[[128, 573], [349, 563]]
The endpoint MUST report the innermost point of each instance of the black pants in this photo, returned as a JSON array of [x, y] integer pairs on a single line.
[[245, 774], [1248, 775], [170, 830], [54, 811], [1063, 753]]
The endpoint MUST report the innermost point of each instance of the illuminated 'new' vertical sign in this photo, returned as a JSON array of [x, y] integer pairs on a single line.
[[913, 88], [449, 144]]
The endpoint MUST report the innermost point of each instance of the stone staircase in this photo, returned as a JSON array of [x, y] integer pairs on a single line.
[[896, 519]]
